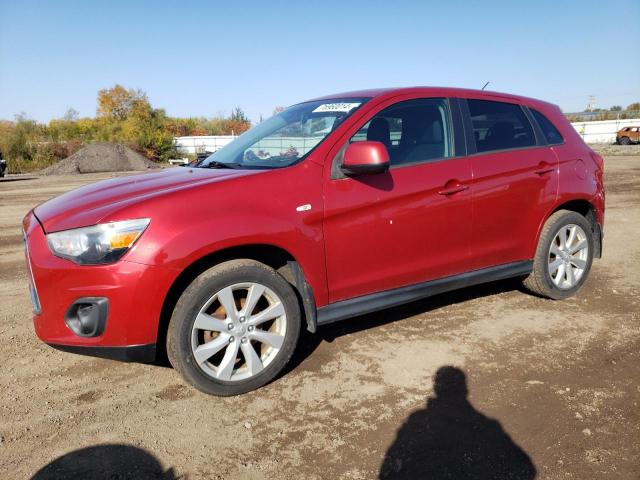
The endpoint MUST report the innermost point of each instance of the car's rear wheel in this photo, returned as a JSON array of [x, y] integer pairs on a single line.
[[234, 328], [625, 141], [563, 257]]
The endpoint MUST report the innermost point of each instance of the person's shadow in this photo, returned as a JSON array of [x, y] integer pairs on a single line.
[[450, 439], [109, 462]]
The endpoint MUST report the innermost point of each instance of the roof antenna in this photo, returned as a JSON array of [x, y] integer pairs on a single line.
[[485, 85]]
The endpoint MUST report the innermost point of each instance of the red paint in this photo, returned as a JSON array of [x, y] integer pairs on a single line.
[[362, 235], [366, 154], [395, 229], [510, 189]]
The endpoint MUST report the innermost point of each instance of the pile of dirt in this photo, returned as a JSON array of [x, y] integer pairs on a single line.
[[100, 157]]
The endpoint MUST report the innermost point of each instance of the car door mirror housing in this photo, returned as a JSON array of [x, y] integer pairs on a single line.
[[362, 158]]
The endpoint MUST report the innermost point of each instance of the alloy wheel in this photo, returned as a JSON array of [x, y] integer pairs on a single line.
[[568, 255], [238, 332]]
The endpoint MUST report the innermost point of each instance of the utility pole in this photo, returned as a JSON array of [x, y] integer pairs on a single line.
[[592, 103]]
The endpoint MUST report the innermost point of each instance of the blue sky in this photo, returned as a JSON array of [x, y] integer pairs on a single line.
[[197, 58]]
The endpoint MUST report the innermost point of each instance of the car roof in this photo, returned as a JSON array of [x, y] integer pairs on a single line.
[[443, 91]]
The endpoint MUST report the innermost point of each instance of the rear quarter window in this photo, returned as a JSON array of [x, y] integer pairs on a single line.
[[551, 133]]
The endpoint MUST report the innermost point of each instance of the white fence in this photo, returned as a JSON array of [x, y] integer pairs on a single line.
[[603, 131], [271, 146], [591, 132], [194, 145]]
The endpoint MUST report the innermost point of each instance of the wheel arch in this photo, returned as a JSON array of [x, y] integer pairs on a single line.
[[585, 208], [275, 257]]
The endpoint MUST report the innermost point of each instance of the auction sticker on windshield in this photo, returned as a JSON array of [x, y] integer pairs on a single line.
[[336, 107]]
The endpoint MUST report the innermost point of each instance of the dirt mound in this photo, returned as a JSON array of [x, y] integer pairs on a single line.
[[100, 157]]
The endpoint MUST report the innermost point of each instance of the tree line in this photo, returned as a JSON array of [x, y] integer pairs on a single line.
[[123, 116], [616, 112], [126, 116]]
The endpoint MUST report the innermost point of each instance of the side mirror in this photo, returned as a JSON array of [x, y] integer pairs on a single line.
[[365, 158]]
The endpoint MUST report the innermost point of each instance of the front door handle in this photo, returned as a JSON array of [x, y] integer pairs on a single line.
[[453, 189]]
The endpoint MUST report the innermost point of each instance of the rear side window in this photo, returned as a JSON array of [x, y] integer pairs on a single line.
[[550, 131], [500, 126]]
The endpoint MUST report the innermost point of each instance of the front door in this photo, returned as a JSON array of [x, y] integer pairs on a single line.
[[406, 226]]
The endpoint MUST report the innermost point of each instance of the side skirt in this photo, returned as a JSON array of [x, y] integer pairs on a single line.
[[390, 298]]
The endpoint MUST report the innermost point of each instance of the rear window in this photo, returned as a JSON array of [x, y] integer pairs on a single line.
[[500, 126], [551, 133]]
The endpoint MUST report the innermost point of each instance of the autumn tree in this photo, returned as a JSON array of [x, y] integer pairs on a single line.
[[123, 116], [71, 115], [117, 103], [238, 115], [236, 124]]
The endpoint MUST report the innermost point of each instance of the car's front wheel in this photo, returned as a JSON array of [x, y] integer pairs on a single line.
[[234, 328], [563, 257], [625, 141]]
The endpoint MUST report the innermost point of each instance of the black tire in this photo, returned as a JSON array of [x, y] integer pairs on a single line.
[[195, 297], [540, 281], [625, 141]]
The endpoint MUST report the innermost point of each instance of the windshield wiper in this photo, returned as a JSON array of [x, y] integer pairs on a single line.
[[219, 165]]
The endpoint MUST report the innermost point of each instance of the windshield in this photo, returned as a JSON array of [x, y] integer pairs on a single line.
[[285, 138]]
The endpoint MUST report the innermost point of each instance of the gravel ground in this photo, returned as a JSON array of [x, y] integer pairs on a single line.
[[611, 149], [488, 382]]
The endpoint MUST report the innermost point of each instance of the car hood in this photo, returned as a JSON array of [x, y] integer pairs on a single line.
[[90, 204]]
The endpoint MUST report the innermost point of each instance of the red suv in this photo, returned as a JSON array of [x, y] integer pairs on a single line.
[[335, 207]]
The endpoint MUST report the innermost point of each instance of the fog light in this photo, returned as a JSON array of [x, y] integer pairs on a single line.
[[87, 317]]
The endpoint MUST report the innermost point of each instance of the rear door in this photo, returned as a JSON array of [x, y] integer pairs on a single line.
[[408, 225], [515, 181]]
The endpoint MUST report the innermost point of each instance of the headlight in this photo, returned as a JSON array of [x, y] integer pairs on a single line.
[[99, 244]]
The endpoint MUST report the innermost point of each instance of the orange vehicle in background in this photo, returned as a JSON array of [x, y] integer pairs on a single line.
[[628, 135]]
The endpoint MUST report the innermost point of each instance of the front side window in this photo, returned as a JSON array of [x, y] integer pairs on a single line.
[[499, 126], [413, 131], [285, 138], [551, 133]]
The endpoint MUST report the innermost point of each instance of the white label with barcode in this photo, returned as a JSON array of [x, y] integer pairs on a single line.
[[336, 107]]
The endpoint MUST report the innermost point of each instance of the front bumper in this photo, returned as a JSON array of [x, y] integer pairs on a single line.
[[131, 353], [135, 294]]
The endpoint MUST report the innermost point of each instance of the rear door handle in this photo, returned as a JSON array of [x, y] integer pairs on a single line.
[[452, 190], [543, 168]]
